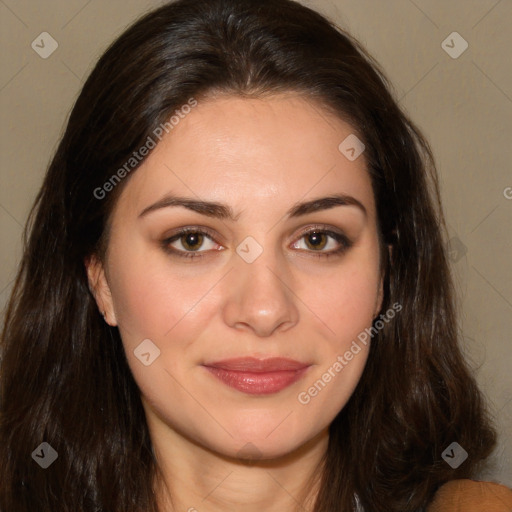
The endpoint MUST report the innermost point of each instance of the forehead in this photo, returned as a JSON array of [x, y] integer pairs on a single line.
[[251, 152]]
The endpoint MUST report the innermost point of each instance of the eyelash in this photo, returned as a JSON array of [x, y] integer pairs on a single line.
[[344, 242]]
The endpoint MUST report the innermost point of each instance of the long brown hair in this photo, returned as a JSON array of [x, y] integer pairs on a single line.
[[65, 378]]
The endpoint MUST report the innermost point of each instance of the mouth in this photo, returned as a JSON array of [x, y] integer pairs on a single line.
[[256, 376]]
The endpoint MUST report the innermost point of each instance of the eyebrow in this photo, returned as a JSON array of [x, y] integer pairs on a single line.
[[222, 211]]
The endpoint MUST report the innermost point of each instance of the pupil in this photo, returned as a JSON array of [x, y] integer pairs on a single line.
[[193, 241], [316, 240]]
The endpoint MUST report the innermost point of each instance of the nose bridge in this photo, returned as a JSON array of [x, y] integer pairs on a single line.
[[259, 298]]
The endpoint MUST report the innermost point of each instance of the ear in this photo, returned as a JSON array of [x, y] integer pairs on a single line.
[[100, 289]]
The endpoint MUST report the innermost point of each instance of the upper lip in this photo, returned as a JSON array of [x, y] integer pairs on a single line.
[[252, 364]]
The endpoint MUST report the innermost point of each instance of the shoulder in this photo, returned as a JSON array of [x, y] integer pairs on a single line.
[[471, 496]]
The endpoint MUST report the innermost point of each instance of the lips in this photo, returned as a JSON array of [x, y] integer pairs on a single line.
[[251, 364], [256, 376]]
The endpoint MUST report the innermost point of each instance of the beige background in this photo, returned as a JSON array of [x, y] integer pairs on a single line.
[[463, 105]]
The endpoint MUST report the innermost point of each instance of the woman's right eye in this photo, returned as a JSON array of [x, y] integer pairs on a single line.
[[188, 243]]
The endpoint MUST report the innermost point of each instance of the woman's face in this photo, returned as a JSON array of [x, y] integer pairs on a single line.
[[281, 260]]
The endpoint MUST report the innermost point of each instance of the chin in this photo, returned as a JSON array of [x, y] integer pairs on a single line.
[[260, 448]]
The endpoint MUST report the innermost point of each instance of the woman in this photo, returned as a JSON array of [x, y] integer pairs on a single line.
[[234, 291]]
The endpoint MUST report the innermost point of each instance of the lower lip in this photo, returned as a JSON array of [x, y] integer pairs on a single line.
[[258, 383]]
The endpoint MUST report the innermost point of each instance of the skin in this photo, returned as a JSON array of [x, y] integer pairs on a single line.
[[259, 157]]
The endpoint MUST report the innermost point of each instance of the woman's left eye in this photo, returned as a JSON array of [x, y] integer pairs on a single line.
[[324, 242]]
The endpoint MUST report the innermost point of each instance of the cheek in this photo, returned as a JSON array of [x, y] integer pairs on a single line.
[[350, 304], [346, 300], [346, 304], [167, 304], [150, 298], [153, 302]]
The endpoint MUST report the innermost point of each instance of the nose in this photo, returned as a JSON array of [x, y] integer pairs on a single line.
[[260, 298]]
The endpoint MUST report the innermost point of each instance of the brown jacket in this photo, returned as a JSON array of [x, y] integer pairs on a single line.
[[471, 496]]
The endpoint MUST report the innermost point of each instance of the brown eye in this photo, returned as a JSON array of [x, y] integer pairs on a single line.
[[322, 242], [192, 241], [316, 240]]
